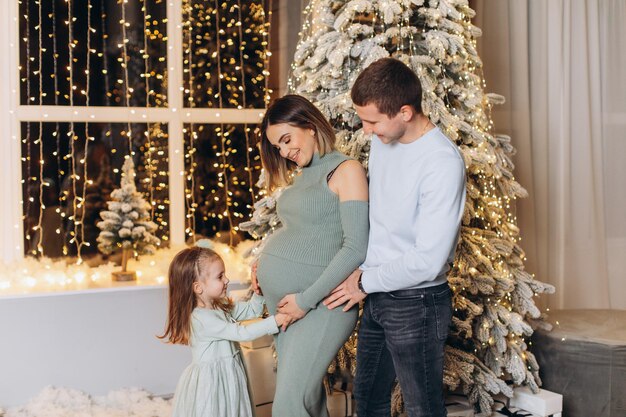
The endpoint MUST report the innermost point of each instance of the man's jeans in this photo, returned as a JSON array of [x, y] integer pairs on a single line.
[[403, 333]]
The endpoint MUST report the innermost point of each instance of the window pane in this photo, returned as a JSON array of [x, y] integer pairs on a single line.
[[55, 218], [223, 165], [224, 53], [97, 78]]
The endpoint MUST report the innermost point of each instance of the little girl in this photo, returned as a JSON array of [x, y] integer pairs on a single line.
[[202, 316]]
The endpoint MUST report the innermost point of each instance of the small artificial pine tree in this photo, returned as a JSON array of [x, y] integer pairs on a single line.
[[126, 224], [96, 195], [494, 310]]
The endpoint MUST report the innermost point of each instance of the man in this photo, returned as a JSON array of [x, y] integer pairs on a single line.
[[417, 196]]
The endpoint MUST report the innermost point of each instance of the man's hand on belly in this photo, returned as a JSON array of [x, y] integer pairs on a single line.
[[346, 292]]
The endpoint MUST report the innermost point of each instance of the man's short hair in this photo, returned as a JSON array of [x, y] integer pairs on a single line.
[[389, 84]]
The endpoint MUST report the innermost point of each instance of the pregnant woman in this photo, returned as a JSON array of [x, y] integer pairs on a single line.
[[323, 238]]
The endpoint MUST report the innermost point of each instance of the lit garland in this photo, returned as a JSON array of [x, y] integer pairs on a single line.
[[156, 146], [265, 32], [105, 62], [39, 141], [76, 182], [27, 139], [124, 63], [62, 197], [243, 105], [223, 175], [77, 178], [146, 77], [32, 276], [84, 162], [225, 64], [72, 135], [190, 185]]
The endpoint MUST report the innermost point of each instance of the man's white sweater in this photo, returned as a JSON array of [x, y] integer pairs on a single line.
[[417, 198]]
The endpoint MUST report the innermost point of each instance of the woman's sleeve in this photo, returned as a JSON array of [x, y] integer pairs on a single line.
[[251, 309], [355, 227], [216, 327]]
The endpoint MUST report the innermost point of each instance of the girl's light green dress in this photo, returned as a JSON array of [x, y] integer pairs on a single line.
[[215, 383]]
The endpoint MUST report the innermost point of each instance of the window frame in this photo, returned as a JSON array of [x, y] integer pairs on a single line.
[[175, 115]]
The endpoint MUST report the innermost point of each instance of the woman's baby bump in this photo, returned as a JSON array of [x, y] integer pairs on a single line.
[[279, 276]]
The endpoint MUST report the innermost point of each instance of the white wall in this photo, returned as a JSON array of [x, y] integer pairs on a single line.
[[94, 341]]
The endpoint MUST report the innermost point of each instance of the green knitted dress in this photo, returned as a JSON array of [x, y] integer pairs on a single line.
[[321, 242]]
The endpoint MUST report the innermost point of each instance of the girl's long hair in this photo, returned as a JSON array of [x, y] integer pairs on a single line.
[[299, 112], [183, 272]]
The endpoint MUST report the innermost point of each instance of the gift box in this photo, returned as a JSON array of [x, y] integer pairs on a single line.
[[526, 404], [544, 403], [259, 365], [340, 403], [261, 342], [459, 410], [458, 406], [503, 410]]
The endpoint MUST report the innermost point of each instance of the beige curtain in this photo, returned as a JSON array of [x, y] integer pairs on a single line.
[[286, 25], [562, 66]]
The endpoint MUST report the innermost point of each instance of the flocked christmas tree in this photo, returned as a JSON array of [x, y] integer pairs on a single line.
[[494, 310], [126, 225]]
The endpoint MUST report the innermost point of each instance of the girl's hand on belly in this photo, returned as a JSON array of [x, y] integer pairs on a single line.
[[289, 307], [255, 281]]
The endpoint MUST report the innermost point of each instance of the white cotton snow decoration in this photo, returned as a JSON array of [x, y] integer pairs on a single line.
[[33, 275], [66, 402]]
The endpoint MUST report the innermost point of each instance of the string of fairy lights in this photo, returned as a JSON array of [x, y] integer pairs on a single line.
[[242, 88], [146, 77], [156, 146], [27, 181], [84, 161], [82, 55], [39, 141], [228, 69], [60, 230], [71, 134], [223, 175], [190, 186], [265, 32]]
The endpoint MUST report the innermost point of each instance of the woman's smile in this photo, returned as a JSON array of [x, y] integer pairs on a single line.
[[294, 156]]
